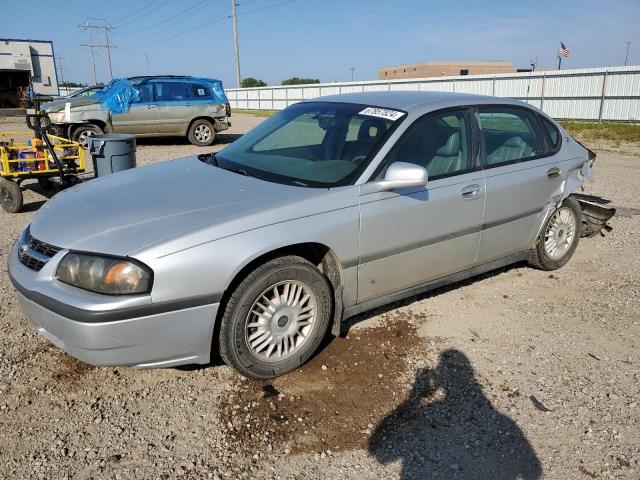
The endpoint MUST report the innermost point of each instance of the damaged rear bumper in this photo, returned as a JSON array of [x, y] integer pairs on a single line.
[[594, 215]]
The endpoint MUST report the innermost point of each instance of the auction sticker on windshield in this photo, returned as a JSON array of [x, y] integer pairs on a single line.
[[385, 113]]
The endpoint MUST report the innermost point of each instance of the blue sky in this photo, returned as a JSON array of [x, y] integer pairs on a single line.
[[324, 38]]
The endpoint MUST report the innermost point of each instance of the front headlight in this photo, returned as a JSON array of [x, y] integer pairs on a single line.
[[57, 117], [107, 275]]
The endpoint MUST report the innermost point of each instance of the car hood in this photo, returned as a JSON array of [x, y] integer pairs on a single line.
[[57, 105], [122, 213]]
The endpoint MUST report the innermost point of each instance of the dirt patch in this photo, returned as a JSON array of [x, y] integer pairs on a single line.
[[335, 401], [69, 371]]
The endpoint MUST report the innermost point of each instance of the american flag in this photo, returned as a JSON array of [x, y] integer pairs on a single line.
[[564, 51]]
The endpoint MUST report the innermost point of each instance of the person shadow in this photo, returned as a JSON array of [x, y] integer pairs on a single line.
[[448, 429]]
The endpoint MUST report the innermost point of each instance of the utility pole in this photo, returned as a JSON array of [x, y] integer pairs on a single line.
[[234, 21], [93, 58], [90, 28], [106, 35], [59, 59], [352, 69], [626, 57]]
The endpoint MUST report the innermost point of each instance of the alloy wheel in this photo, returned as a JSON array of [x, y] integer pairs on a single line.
[[280, 321], [84, 138], [560, 233], [202, 133]]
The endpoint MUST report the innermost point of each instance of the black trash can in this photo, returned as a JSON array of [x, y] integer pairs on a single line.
[[112, 152]]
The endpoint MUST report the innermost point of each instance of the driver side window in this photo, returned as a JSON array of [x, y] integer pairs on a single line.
[[145, 92], [439, 142]]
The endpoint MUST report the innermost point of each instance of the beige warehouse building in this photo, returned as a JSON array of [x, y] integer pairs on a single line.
[[444, 69]]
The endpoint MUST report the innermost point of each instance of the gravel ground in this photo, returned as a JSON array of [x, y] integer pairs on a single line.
[[516, 374]]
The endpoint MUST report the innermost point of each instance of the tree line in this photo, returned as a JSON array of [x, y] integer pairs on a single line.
[[251, 82]]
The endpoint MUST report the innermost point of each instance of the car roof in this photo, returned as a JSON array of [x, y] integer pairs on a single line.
[[140, 78], [408, 101]]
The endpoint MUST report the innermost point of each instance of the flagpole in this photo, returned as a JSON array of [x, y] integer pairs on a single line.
[[559, 61]]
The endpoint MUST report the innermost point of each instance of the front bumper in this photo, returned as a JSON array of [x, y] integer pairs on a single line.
[[160, 338]]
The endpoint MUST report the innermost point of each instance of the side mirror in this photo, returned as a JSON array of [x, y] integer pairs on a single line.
[[399, 175]]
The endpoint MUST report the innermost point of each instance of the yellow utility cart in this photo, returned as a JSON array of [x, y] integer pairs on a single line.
[[42, 156]]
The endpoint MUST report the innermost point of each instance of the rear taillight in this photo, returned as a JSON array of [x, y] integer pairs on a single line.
[[228, 108], [591, 155]]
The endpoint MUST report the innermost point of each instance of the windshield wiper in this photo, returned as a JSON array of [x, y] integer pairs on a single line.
[[209, 158], [241, 171]]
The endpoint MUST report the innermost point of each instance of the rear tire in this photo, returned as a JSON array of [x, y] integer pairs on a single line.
[[82, 134], [202, 133], [11, 197], [559, 237], [267, 342]]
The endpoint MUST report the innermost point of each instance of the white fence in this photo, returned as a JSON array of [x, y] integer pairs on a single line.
[[586, 94], [64, 91]]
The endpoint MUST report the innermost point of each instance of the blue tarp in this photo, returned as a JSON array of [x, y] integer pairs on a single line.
[[120, 93], [117, 95]]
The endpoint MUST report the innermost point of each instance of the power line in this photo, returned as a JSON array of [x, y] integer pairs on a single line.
[[172, 18], [117, 23], [75, 40], [206, 22], [140, 17], [267, 7]]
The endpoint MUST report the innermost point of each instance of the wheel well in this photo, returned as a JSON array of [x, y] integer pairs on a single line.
[[318, 254], [211, 119], [98, 123]]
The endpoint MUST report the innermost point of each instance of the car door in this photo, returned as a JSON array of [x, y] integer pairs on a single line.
[[141, 118], [411, 236], [522, 175], [175, 107]]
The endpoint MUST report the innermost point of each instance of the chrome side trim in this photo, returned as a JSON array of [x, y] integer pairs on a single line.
[[415, 245], [419, 244]]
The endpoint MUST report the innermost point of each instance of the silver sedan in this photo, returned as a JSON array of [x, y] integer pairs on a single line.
[[332, 207]]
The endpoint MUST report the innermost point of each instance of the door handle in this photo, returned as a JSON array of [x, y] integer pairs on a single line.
[[471, 191], [553, 172], [151, 106]]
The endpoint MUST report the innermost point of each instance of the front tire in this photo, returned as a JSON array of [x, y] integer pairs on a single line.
[[559, 237], [11, 197], [276, 318], [83, 133], [202, 133]]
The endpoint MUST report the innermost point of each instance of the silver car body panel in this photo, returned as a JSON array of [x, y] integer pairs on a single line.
[[197, 227], [404, 241]]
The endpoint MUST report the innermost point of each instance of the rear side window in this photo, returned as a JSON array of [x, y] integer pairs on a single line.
[[552, 131], [172, 91], [510, 135], [200, 91]]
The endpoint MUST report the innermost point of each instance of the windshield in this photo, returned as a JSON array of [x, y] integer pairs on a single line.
[[312, 144]]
